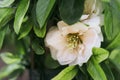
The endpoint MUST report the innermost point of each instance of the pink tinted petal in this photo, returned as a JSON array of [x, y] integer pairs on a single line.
[[66, 56], [54, 39], [75, 28]]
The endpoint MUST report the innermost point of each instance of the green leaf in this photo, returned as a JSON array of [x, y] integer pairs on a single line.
[[2, 35], [25, 29], [50, 63], [6, 3], [4, 72], [115, 57], [71, 10], [37, 47], [40, 32], [20, 13], [115, 43], [9, 58], [43, 10], [67, 74], [95, 70], [6, 14], [100, 54], [111, 19]]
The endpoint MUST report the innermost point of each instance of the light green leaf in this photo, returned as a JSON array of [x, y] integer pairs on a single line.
[[20, 13], [4, 72], [43, 10], [67, 74], [95, 70], [37, 47], [2, 35], [50, 63], [115, 57], [6, 14], [25, 29], [9, 58], [6, 3], [100, 54], [40, 32], [71, 10]]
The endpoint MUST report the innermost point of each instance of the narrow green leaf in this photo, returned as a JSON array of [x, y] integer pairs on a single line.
[[6, 3], [6, 14], [9, 58], [115, 57], [2, 35], [43, 10], [37, 47], [20, 13], [40, 32], [100, 54], [95, 70], [67, 74], [50, 63], [4, 72], [71, 10], [25, 29]]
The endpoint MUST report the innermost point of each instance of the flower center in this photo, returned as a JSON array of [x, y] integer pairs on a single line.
[[73, 40]]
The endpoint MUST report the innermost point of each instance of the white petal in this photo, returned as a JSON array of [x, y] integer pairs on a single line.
[[66, 56], [77, 27]]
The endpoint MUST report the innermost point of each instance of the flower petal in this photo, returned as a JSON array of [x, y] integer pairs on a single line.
[[75, 28], [66, 56]]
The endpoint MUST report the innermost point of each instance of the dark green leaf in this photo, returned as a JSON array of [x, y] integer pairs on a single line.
[[9, 58], [111, 19], [71, 10], [37, 47], [43, 10], [6, 3], [100, 54], [95, 70], [25, 29], [67, 74], [4, 72], [6, 14], [50, 63], [40, 32], [20, 13], [2, 35]]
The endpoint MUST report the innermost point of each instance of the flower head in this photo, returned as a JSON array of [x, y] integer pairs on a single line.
[[72, 44]]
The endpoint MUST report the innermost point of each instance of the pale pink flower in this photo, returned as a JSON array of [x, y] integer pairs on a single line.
[[72, 44]]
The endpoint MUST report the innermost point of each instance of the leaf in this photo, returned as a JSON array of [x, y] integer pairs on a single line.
[[100, 54], [50, 63], [67, 74], [95, 70], [43, 9], [6, 14], [6, 3], [40, 32], [115, 43], [9, 58], [20, 13], [111, 19], [37, 48], [25, 29], [115, 57], [71, 10], [2, 36], [4, 72]]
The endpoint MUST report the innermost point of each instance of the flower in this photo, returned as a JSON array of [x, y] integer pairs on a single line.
[[72, 44]]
